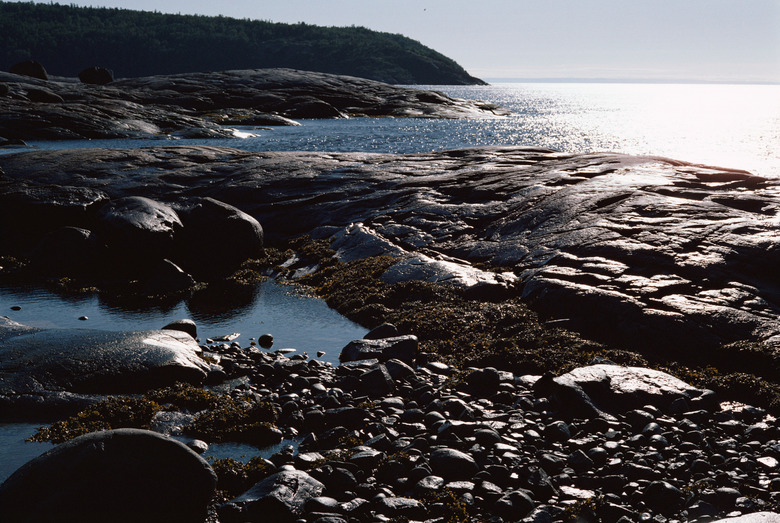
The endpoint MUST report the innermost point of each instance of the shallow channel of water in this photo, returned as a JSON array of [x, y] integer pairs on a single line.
[[294, 319]]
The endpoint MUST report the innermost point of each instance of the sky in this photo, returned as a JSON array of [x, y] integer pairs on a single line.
[[671, 40]]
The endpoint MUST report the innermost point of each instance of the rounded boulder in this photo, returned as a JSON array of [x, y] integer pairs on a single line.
[[120, 476], [30, 68], [96, 76], [217, 238]]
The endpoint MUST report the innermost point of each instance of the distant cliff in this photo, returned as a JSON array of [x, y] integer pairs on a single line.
[[68, 39]]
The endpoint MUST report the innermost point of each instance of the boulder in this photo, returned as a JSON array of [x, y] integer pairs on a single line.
[[96, 76], [183, 325], [166, 277], [605, 389], [386, 330], [377, 381], [29, 68], [138, 230], [403, 348], [216, 238], [30, 211], [478, 283], [48, 370], [125, 475], [280, 497], [453, 465]]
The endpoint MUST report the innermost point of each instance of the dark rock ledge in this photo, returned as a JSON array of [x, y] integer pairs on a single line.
[[644, 252], [206, 104]]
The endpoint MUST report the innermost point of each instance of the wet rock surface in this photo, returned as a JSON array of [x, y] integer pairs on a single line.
[[198, 104], [48, 372], [645, 252]]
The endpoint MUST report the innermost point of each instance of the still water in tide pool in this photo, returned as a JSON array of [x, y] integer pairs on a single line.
[[734, 126], [295, 320]]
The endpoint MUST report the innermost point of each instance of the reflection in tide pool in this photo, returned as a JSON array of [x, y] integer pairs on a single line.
[[296, 321]]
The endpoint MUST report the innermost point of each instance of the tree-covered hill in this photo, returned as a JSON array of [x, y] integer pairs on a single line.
[[68, 39]]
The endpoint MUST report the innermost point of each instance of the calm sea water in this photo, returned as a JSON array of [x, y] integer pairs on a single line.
[[736, 126]]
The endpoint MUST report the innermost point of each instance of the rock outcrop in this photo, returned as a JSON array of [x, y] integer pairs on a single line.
[[46, 372], [200, 104], [644, 252]]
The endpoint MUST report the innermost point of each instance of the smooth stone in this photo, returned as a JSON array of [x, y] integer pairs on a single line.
[[280, 497], [453, 465], [386, 330], [403, 348], [37, 375], [663, 496], [184, 325], [123, 475], [207, 222], [514, 505], [401, 507]]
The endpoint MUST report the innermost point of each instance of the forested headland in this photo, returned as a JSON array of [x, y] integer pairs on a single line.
[[68, 39]]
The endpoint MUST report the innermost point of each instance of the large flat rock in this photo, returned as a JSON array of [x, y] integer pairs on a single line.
[[641, 251], [207, 104], [44, 372]]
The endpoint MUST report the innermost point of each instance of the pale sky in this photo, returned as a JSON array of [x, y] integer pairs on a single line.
[[709, 40]]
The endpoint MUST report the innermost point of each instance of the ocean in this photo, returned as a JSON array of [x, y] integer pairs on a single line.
[[734, 126]]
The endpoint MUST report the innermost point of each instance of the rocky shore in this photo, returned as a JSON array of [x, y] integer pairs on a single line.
[[531, 291], [386, 436], [202, 105], [642, 252]]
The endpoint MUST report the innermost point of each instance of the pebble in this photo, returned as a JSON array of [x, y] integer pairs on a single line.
[[266, 341]]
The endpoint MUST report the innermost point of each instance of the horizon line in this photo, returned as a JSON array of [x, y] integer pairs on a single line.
[[497, 79]]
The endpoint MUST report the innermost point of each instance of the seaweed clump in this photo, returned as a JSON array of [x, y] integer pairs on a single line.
[[235, 477], [240, 420], [218, 417], [110, 413], [507, 334], [457, 329]]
